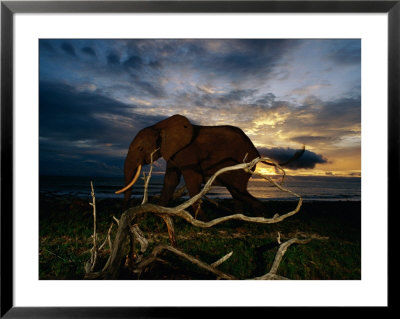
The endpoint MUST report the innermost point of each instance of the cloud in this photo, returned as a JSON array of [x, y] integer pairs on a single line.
[[45, 45], [236, 95], [344, 52], [308, 89], [72, 114], [134, 62], [267, 120], [317, 122], [213, 98], [234, 60], [113, 58], [307, 160], [244, 60], [89, 51], [61, 162], [83, 132], [346, 111], [68, 48], [152, 89], [307, 139], [266, 100]]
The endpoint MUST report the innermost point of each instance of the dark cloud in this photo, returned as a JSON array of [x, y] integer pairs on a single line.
[[64, 99], [236, 95], [266, 100], [331, 120], [203, 97], [89, 51], [113, 59], [67, 113], [155, 64], [45, 45], [307, 160], [345, 52], [270, 47], [152, 89], [142, 80], [253, 57], [134, 61], [68, 48], [235, 60], [84, 132], [343, 110], [67, 160]]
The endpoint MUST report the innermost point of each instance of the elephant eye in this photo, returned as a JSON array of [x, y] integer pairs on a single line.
[[140, 148]]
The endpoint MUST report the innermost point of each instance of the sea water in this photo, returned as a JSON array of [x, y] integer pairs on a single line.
[[308, 187]]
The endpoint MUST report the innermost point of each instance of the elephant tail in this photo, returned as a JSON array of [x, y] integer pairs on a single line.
[[294, 157]]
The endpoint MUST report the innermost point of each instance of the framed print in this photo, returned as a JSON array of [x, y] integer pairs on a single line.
[[164, 155]]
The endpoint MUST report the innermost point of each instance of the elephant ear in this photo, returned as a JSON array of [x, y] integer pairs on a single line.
[[176, 133]]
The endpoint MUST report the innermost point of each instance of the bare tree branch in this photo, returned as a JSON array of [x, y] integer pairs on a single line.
[[158, 249], [113, 262], [107, 239], [125, 228], [279, 255], [147, 179], [221, 260], [94, 251]]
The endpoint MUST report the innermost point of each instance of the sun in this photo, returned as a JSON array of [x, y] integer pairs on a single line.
[[265, 170]]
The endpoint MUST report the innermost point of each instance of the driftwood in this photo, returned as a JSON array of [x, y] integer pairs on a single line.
[[128, 229], [271, 275], [89, 266]]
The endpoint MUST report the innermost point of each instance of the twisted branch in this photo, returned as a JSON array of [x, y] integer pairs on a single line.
[[112, 266], [181, 212], [158, 249], [271, 275]]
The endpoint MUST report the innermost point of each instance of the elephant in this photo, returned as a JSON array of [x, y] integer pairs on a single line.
[[196, 153]]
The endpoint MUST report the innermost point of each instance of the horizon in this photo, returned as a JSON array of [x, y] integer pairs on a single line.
[[308, 187]]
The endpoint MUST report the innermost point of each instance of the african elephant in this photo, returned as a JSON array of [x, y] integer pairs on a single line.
[[196, 153]]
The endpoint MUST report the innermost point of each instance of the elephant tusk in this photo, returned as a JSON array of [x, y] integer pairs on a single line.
[[132, 182]]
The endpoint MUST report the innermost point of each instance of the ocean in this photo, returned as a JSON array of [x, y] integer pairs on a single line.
[[308, 187]]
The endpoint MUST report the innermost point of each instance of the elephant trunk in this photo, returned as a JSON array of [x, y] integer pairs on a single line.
[[133, 181]]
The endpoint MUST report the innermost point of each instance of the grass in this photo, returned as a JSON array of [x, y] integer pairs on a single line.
[[66, 227]]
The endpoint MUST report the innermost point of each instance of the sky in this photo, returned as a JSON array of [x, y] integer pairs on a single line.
[[96, 94]]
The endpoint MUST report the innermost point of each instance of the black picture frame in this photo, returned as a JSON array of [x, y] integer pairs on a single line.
[[9, 8]]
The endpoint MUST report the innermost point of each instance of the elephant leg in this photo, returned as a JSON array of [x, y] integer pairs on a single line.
[[171, 180], [193, 181], [236, 183], [246, 200]]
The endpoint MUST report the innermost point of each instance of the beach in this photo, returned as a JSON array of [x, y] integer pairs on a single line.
[[66, 227]]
